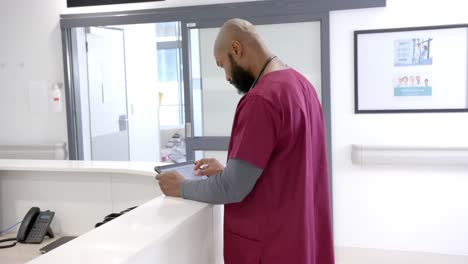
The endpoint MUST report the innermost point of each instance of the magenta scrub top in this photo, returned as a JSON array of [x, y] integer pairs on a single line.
[[278, 127]]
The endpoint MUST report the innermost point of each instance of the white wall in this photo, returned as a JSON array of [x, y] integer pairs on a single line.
[[30, 51], [406, 208]]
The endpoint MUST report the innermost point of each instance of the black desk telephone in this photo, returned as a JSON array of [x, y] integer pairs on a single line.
[[34, 227]]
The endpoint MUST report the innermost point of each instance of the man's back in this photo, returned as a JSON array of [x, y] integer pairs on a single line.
[[279, 128]]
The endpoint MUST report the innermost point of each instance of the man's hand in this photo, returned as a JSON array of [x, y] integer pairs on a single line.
[[170, 183], [208, 167]]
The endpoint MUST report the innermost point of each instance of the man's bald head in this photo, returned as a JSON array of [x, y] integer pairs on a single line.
[[238, 30], [240, 51]]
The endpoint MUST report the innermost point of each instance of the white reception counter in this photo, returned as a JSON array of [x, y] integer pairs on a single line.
[[163, 230], [81, 193], [137, 168]]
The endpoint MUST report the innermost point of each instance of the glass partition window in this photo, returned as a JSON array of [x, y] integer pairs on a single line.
[[169, 45], [167, 31]]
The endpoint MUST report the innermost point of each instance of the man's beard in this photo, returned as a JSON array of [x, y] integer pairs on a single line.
[[240, 78]]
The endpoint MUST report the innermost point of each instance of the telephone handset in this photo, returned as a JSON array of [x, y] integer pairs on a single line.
[[34, 227]]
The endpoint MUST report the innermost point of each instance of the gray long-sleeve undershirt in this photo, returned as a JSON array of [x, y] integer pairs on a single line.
[[231, 185]]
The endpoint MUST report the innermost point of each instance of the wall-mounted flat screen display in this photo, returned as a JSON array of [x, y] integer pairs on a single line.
[[412, 69]]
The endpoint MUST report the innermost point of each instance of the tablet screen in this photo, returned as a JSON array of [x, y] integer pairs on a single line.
[[186, 169]]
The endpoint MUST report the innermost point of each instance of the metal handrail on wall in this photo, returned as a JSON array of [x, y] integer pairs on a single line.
[[409, 155], [56, 151]]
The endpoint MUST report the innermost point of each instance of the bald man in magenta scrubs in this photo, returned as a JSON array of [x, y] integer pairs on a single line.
[[275, 185]]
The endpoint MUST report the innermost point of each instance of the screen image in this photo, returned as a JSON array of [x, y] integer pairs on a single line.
[[414, 69], [186, 169]]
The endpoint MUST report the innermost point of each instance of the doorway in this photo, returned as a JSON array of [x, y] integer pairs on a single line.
[[107, 94], [128, 92]]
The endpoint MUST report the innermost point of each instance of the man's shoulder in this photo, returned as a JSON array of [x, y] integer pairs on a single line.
[[276, 85], [255, 100], [282, 79]]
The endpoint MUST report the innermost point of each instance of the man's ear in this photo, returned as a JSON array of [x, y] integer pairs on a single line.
[[236, 48]]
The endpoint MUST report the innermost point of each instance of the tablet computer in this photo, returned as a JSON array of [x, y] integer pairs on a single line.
[[184, 168]]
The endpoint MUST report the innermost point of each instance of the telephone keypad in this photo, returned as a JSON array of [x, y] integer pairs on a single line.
[[40, 227]]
